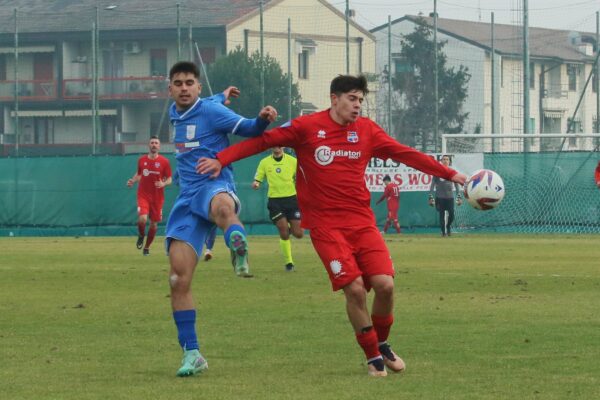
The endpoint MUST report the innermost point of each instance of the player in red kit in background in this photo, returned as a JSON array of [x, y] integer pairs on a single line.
[[333, 148], [153, 174], [392, 194], [597, 175]]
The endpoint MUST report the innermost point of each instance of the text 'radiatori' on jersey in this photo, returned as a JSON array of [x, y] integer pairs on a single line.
[[324, 155]]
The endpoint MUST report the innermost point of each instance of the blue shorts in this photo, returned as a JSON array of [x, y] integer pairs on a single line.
[[189, 220]]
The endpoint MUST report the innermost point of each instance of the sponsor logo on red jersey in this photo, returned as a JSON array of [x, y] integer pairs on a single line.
[[324, 155]]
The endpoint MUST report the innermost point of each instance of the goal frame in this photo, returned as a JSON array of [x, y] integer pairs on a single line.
[[522, 136]]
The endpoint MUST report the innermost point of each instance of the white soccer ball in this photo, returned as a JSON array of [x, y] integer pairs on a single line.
[[484, 189]]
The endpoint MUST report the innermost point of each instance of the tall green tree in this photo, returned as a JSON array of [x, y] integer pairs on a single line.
[[243, 71], [413, 114]]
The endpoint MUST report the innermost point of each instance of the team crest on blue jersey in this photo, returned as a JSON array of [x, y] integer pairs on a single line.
[[190, 132], [352, 137]]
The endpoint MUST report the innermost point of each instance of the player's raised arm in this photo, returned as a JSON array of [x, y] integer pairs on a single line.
[[231, 91], [223, 97], [387, 147]]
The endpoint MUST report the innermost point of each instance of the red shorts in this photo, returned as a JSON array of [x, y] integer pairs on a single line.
[[348, 253], [392, 214], [150, 207]]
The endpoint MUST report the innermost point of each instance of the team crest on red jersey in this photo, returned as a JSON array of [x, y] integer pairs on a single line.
[[352, 137], [156, 165]]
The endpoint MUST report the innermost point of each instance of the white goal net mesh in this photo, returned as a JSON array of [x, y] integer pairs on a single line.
[[549, 182]]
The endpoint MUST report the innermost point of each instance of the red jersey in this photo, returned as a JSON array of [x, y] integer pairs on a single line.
[[332, 159], [597, 174], [150, 171], [392, 194]]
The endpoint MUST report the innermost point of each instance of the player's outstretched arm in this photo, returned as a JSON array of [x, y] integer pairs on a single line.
[[385, 147], [233, 153], [459, 178], [256, 126], [269, 113]]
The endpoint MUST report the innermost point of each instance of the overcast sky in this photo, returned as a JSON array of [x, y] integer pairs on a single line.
[[555, 14]]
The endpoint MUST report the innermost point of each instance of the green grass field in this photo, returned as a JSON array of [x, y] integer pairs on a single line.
[[477, 317]]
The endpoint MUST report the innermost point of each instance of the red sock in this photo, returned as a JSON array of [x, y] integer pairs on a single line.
[[382, 325], [368, 341], [141, 228], [397, 225], [150, 238], [386, 226]]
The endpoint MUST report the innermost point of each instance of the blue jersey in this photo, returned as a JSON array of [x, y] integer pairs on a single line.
[[201, 131]]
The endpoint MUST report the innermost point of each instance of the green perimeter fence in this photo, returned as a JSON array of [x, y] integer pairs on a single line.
[[78, 196]]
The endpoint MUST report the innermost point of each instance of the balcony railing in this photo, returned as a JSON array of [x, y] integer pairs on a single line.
[[116, 88], [29, 90], [81, 89], [556, 91]]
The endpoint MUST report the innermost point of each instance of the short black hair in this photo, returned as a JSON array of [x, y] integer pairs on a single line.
[[346, 83], [185, 67], [154, 137], [387, 178]]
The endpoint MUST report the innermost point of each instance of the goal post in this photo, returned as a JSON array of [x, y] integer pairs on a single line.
[[507, 143], [549, 182]]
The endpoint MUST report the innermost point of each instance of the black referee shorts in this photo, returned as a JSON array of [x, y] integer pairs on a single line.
[[280, 207]]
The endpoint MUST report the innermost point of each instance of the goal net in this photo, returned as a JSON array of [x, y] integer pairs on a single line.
[[549, 182]]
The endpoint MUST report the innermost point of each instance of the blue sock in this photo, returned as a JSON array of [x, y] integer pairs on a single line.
[[186, 329], [232, 228]]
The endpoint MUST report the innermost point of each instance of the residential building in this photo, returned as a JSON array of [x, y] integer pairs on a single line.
[[51, 92], [560, 63]]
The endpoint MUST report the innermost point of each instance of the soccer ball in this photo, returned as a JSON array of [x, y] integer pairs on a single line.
[[484, 189]]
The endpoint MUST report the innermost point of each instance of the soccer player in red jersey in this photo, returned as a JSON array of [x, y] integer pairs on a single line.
[[597, 175], [392, 194], [333, 148], [153, 174]]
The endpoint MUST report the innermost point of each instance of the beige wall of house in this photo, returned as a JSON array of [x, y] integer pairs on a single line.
[[318, 31], [558, 104]]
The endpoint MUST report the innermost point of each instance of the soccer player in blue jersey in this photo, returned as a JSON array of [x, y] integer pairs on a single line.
[[201, 129]]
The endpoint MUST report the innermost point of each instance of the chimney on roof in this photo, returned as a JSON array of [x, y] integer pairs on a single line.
[[586, 48], [582, 46]]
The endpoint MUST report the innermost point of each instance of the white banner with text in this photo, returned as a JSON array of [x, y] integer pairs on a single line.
[[412, 180]]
